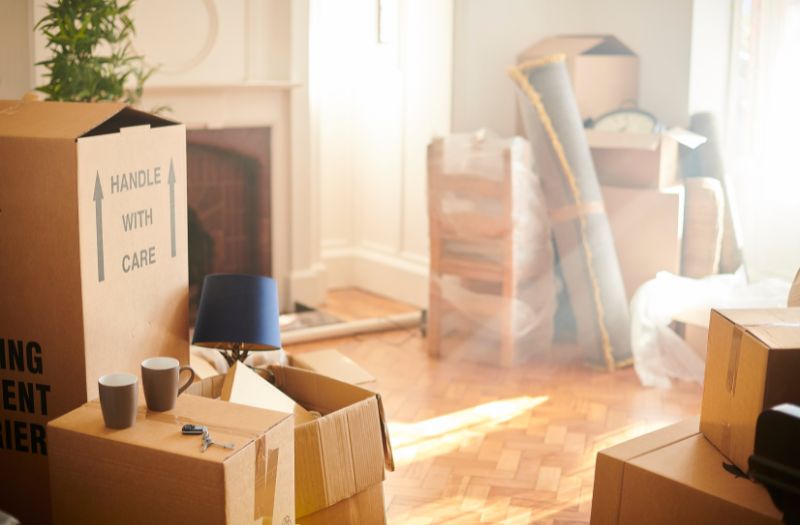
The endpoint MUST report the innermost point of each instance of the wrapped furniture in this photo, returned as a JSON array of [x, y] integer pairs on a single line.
[[492, 291]]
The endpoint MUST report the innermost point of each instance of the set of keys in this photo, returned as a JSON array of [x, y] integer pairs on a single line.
[[200, 430]]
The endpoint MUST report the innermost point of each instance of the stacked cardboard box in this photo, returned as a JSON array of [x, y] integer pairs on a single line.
[[93, 268], [676, 475], [638, 177], [753, 363]]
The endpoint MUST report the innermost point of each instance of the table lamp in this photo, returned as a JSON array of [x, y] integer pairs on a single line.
[[238, 314]]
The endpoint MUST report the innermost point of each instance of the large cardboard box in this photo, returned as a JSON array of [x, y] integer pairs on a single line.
[[93, 269], [151, 473], [753, 363], [671, 476], [647, 226], [603, 70], [338, 455]]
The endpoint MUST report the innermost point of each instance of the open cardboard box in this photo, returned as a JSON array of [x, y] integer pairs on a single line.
[[604, 71], [93, 269], [639, 160], [338, 455]]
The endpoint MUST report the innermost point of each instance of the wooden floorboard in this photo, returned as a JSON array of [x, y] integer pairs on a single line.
[[353, 304], [478, 444]]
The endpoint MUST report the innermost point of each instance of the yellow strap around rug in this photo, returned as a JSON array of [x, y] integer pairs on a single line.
[[536, 100], [573, 211]]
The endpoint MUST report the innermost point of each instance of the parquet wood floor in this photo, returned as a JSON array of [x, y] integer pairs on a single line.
[[477, 444]]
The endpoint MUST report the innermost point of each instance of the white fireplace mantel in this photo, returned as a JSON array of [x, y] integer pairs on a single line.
[[242, 63]]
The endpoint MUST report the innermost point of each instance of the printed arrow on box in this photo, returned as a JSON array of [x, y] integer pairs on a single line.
[[98, 210], [171, 182]]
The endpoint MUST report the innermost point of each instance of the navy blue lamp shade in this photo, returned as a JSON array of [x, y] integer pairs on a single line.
[[238, 313]]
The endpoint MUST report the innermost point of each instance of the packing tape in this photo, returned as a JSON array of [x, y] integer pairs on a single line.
[[736, 348], [574, 211], [733, 360]]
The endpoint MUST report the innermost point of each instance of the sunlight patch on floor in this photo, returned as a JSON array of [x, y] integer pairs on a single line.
[[440, 435]]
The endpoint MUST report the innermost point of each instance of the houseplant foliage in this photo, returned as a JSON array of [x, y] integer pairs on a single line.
[[93, 57]]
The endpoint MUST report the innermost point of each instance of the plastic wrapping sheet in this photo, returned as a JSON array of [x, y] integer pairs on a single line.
[[659, 353], [492, 283]]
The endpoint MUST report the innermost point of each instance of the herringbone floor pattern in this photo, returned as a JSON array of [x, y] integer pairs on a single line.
[[476, 444]]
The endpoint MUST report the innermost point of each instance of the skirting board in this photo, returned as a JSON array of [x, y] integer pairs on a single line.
[[392, 276], [308, 286]]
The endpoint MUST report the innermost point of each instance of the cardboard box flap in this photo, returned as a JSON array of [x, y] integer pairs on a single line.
[[751, 317], [778, 336], [162, 430], [244, 386], [126, 118], [308, 388], [69, 120], [608, 45], [572, 45], [687, 138], [332, 364]]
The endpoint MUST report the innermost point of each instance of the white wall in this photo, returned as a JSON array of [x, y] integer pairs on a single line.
[[16, 62], [377, 106], [489, 35], [710, 57]]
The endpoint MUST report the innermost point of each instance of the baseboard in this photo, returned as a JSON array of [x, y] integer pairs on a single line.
[[400, 278], [308, 286]]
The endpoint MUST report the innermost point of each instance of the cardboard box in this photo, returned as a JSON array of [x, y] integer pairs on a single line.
[[639, 160], [151, 473], [753, 363], [94, 267], [603, 70], [674, 475], [634, 160], [647, 226], [339, 455]]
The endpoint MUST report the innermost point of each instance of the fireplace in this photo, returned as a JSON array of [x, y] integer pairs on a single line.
[[228, 189]]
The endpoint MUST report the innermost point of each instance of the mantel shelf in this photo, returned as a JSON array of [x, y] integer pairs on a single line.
[[277, 85]]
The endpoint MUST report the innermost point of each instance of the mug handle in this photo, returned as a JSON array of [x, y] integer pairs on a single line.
[[189, 382]]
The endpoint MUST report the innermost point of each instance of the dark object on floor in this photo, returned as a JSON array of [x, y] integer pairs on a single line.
[[776, 458], [584, 243]]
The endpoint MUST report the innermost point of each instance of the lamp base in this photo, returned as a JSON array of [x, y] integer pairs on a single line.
[[235, 353]]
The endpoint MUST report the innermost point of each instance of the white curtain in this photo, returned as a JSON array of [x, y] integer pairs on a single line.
[[764, 134]]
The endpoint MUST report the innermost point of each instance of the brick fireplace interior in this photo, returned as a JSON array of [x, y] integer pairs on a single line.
[[228, 190]]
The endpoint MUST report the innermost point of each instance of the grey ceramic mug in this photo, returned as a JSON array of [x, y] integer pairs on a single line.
[[160, 377], [119, 396]]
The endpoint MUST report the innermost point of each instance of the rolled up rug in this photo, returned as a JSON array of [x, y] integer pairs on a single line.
[[583, 238]]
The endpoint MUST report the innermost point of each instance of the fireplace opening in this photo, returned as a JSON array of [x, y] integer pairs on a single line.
[[228, 196]]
